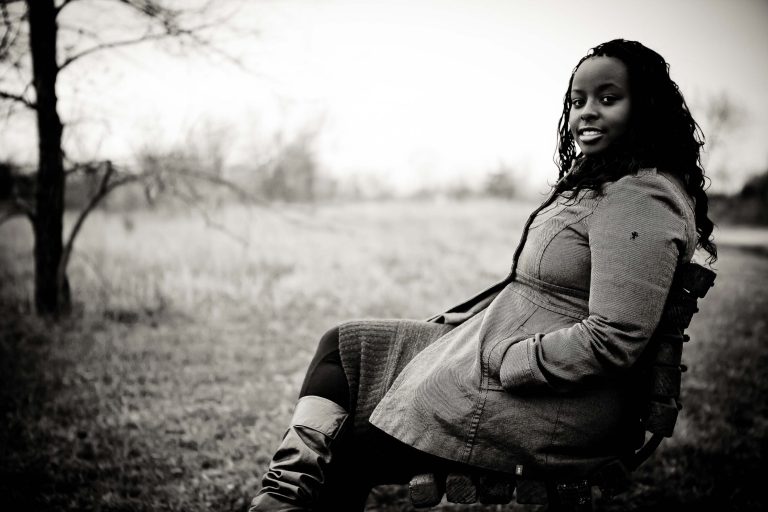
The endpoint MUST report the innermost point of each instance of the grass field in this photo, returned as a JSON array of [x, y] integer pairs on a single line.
[[173, 380]]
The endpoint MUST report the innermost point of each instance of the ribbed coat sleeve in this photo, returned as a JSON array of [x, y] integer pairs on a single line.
[[637, 234]]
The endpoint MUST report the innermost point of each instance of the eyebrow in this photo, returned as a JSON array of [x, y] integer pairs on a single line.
[[603, 86]]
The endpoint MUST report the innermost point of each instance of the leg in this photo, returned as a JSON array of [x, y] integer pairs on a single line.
[[325, 376], [300, 467], [375, 458], [321, 463]]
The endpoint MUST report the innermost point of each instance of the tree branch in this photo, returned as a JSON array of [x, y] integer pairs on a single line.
[[130, 42], [13, 29], [18, 98], [80, 31], [171, 26], [222, 182], [105, 187], [62, 6], [5, 41], [194, 203], [152, 9], [109, 182]]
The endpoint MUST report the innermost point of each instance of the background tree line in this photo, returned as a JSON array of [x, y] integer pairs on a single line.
[[36, 49]]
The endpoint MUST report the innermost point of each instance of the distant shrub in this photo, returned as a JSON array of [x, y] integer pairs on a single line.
[[503, 182], [748, 207], [16, 183], [756, 187]]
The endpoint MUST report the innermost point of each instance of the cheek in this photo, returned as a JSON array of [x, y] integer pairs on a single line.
[[625, 119], [572, 122]]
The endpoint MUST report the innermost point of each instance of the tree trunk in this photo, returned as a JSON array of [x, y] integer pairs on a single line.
[[51, 290]]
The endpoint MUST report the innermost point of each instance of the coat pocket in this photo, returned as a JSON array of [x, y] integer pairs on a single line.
[[496, 355]]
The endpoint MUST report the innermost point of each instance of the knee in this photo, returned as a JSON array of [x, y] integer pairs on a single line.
[[329, 342]]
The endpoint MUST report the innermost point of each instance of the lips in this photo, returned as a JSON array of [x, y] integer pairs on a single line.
[[590, 134]]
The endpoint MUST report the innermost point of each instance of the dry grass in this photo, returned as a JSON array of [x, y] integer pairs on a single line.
[[174, 379]]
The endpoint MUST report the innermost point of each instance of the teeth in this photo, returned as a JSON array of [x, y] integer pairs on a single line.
[[589, 135]]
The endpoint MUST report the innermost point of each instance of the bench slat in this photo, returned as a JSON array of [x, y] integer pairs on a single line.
[[494, 489], [425, 490], [460, 488], [531, 492]]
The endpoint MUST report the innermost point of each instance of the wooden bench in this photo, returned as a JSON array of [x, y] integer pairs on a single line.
[[659, 377]]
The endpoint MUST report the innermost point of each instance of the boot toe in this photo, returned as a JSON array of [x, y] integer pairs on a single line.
[[268, 503]]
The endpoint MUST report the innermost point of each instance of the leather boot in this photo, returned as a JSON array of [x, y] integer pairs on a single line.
[[299, 467]]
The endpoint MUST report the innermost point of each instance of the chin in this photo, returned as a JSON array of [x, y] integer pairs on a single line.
[[591, 151], [599, 149]]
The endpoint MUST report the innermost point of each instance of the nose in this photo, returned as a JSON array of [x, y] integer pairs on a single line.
[[589, 111]]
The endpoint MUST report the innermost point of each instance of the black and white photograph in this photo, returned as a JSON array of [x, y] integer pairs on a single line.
[[383, 255]]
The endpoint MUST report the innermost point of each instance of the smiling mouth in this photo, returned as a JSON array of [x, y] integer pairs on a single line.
[[588, 135]]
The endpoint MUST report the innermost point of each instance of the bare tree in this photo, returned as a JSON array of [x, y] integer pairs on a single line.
[[31, 61], [722, 116], [294, 173]]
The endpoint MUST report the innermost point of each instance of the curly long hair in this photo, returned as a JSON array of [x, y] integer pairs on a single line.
[[662, 134]]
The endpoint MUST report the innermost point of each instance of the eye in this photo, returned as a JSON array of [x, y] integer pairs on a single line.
[[608, 99], [577, 102]]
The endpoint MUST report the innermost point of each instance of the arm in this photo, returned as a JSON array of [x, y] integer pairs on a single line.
[[636, 237]]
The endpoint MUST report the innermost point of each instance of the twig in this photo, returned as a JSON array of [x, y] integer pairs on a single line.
[[18, 98], [105, 187], [63, 5], [78, 30], [117, 44], [217, 180], [4, 42], [13, 29], [209, 221]]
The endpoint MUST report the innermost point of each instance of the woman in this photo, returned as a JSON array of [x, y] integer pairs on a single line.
[[533, 375]]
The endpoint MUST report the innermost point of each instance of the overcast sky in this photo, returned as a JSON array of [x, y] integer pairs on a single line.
[[415, 91]]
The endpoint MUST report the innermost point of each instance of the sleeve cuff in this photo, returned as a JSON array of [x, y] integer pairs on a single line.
[[518, 366]]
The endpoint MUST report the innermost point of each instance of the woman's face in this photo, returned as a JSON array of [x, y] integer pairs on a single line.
[[600, 104]]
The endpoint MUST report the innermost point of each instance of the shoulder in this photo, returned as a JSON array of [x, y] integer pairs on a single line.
[[650, 189], [652, 201]]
